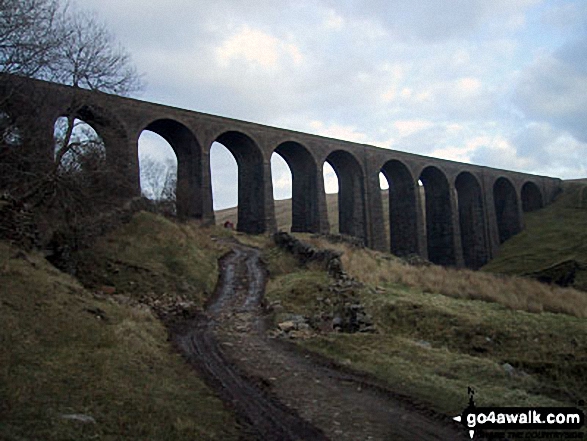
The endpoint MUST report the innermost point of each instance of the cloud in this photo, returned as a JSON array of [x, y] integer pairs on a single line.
[[554, 89], [338, 132], [497, 83], [333, 21], [438, 21], [257, 47], [499, 152], [408, 127]]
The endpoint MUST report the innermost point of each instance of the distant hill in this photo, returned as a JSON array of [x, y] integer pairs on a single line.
[[283, 213], [552, 247]]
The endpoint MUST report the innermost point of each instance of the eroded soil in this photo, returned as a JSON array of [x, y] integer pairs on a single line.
[[280, 393]]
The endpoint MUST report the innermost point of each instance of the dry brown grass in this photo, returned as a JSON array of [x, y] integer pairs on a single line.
[[374, 268]]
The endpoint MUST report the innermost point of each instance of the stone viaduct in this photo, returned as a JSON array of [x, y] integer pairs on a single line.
[[464, 213]]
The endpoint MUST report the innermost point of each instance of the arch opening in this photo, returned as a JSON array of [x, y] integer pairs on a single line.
[[384, 189], [351, 204], [438, 217], [78, 147], [82, 183], [158, 171], [472, 221], [506, 209], [180, 174], [303, 186], [331, 193], [401, 208], [250, 181], [224, 180], [531, 197], [87, 139]]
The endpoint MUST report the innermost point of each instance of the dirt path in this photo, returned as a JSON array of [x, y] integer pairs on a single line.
[[280, 393]]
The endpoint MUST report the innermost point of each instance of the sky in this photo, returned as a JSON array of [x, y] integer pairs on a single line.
[[498, 83]]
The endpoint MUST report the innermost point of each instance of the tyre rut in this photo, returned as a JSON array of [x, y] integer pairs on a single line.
[[280, 393]]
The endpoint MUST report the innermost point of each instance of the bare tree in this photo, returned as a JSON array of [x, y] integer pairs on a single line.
[[49, 40], [158, 178], [30, 32], [91, 59]]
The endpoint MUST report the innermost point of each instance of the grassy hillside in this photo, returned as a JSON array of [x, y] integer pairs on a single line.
[[89, 346], [553, 243], [434, 340], [152, 258], [69, 351], [283, 213]]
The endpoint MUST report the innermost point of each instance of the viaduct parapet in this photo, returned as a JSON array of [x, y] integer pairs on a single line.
[[466, 213]]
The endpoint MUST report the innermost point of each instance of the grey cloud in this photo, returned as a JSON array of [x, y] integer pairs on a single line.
[[432, 20], [344, 72], [554, 89]]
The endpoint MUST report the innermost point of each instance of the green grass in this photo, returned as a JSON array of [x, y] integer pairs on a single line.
[[152, 256], [554, 234], [66, 351], [431, 347]]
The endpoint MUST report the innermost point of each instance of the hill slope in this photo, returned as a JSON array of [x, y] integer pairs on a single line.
[[438, 330], [90, 347], [553, 245], [82, 364]]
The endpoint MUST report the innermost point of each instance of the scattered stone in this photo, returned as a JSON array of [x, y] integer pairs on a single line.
[[78, 417], [302, 333], [106, 289], [508, 368], [287, 326], [100, 314], [341, 309], [355, 242], [416, 260], [307, 253], [423, 344]]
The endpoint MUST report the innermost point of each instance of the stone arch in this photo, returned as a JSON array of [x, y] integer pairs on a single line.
[[251, 189], [108, 127], [30, 113], [506, 209], [531, 197], [351, 204], [188, 152], [74, 139], [10, 131], [472, 221], [403, 200], [304, 173], [120, 159], [439, 218], [18, 161]]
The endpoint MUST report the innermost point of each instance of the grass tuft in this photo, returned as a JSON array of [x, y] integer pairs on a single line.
[[66, 351]]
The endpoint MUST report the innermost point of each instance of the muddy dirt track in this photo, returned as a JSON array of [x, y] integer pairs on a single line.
[[280, 393]]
